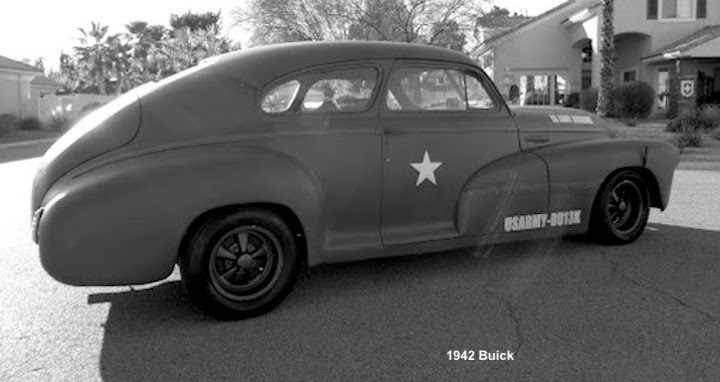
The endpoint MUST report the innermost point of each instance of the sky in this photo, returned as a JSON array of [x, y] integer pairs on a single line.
[[44, 28]]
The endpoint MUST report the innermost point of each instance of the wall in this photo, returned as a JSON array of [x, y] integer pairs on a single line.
[[71, 105], [631, 16], [629, 50], [15, 94], [543, 46]]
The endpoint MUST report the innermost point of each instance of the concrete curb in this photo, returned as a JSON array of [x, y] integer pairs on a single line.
[[15, 145]]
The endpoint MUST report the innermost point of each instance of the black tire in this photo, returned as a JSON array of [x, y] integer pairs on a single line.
[[240, 264], [621, 209]]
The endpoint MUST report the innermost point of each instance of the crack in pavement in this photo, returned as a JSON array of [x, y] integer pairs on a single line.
[[615, 267], [512, 313]]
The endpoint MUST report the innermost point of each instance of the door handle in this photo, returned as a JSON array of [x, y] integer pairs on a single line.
[[537, 138], [390, 131]]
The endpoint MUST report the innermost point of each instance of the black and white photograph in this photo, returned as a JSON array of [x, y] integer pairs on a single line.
[[360, 190]]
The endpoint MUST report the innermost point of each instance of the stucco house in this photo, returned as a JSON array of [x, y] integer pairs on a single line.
[[42, 86], [15, 90], [673, 45]]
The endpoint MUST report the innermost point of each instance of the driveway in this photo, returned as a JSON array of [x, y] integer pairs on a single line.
[[568, 310]]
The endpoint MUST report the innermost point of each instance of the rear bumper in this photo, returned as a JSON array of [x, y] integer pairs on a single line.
[[35, 225]]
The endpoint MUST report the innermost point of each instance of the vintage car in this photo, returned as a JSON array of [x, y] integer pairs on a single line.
[[255, 163]]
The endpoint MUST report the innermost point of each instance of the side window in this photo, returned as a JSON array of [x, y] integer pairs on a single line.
[[426, 89], [436, 89], [477, 94], [281, 97], [340, 91]]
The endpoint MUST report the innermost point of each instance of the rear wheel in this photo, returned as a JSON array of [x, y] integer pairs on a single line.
[[240, 264], [621, 209]]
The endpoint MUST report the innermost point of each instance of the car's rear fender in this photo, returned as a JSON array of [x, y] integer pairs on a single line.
[[127, 218]]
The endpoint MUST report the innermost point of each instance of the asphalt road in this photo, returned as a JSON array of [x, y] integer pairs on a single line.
[[569, 310]]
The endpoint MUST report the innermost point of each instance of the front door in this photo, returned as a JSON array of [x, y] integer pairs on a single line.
[[441, 123]]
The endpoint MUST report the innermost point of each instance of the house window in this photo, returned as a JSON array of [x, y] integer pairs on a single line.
[[629, 75], [677, 9], [663, 87]]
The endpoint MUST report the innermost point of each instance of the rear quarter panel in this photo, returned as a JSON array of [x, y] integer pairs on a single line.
[[127, 218]]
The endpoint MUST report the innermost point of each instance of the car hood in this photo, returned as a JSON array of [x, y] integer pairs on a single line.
[[534, 117]]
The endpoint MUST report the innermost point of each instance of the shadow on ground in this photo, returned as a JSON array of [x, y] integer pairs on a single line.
[[568, 309]]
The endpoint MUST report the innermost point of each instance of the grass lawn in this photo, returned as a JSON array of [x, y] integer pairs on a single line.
[[21, 135], [655, 129]]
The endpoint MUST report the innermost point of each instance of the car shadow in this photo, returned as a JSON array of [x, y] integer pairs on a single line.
[[367, 319]]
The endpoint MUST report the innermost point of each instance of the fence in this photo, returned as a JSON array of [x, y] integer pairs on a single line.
[[71, 105]]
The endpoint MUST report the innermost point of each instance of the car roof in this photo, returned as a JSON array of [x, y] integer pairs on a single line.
[[257, 66]]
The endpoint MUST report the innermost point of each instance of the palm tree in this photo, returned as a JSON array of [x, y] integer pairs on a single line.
[[607, 63], [103, 61], [185, 48]]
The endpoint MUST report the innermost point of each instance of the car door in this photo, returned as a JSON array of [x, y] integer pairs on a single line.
[[441, 123], [325, 120]]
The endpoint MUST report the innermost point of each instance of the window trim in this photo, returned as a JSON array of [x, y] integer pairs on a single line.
[[302, 76], [272, 88], [693, 13], [443, 65], [657, 86], [629, 70]]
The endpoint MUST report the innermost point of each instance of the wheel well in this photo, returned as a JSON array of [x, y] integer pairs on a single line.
[[648, 177], [285, 213]]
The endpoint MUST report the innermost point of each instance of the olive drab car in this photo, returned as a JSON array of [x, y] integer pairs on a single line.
[[248, 166]]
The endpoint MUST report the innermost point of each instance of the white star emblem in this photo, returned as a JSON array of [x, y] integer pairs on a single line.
[[426, 169]]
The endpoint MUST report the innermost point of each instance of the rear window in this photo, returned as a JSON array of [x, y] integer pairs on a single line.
[[281, 97], [336, 91]]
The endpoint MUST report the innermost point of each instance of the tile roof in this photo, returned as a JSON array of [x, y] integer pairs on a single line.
[[44, 81], [7, 63], [694, 40]]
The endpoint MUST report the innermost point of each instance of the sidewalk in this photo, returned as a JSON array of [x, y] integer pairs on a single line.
[[15, 151], [14, 145]]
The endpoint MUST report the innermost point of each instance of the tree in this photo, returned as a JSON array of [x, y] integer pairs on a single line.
[[607, 63], [496, 12], [101, 62], [67, 76], [448, 35], [439, 22], [273, 21], [195, 21], [184, 49], [145, 40]]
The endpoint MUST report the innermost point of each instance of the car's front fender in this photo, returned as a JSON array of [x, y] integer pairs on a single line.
[[578, 169]]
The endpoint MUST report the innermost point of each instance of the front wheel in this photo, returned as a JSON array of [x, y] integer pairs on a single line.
[[621, 209], [240, 264]]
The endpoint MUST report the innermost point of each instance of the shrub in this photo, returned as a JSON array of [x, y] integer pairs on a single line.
[[633, 100], [588, 99], [684, 123], [715, 134], [8, 122], [689, 138], [709, 116], [60, 122], [30, 124], [572, 100]]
